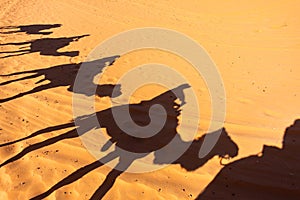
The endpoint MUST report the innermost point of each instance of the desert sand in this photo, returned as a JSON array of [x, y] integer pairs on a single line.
[[254, 46]]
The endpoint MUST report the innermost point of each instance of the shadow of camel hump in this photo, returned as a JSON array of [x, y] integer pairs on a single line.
[[125, 144], [34, 29], [273, 175], [106, 120], [140, 115], [44, 46], [65, 75], [144, 146]]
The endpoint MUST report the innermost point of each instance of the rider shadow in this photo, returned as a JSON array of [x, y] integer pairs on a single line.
[[274, 174], [44, 46], [65, 75], [126, 143], [105, 119], [34, 29]]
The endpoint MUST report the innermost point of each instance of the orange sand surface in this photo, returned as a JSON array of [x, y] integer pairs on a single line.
[[255, 46]]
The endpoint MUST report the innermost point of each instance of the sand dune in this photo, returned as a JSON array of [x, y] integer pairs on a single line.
[[255, 47]]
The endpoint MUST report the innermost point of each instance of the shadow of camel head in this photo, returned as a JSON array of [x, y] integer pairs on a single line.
[[190, 160]]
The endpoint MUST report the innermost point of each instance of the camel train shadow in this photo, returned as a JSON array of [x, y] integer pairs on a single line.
[[43, 46], [275, 174], [122, 141], [34, 29], [65, 75]]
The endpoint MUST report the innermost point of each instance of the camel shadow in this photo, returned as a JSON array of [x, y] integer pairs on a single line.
[[34, 29], [65, 75], [106, 120], [275, 174], [43, 46], [136, 146]]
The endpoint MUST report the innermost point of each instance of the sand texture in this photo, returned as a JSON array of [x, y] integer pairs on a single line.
[[255, 46]]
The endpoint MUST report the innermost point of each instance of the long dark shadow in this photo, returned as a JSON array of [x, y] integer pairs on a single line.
[[30, 148], [34, 90], [143, 146], [39, 132], [70, 179], [107, 184], [65, 75], [29, 29], [76, 175], [44, 46], [19, 79]]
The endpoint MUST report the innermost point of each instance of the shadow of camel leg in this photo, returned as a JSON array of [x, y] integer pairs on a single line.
[[25, 52], [34, 90], [15, 43], [19, 79], [9, 27], [110, 179], [30, 148], [21, 72], [77, 175], [39, 132], [9, 32], [18, 51]]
